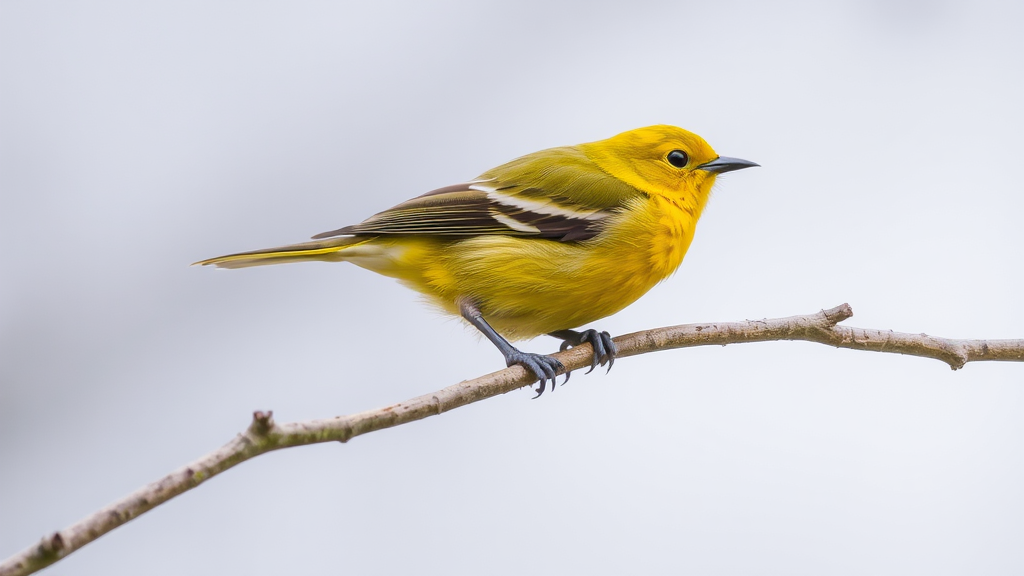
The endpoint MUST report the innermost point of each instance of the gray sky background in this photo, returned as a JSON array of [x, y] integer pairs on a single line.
[[136, 138]]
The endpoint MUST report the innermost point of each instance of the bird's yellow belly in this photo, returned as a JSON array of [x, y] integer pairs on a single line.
[[525, 287]]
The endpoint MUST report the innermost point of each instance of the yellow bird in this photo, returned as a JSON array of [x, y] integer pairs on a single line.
[[541, 245]]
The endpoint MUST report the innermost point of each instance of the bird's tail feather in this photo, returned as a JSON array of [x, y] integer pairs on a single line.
[[326, 250]]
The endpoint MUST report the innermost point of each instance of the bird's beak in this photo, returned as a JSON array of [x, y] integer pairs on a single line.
[[726, 164]]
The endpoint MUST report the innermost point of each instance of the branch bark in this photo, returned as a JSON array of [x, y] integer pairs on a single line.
[[264, 435]]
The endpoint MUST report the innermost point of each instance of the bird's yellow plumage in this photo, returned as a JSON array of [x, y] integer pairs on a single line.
[[543, 244]]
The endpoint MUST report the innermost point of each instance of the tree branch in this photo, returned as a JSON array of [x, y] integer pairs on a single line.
[[264, 435]]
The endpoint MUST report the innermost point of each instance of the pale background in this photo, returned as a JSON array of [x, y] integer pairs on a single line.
[[136, 138]]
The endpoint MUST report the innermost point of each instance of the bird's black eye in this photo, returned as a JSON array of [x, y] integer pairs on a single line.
[[677, 158]]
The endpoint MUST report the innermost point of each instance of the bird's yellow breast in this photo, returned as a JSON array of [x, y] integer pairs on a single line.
[[670, 238]]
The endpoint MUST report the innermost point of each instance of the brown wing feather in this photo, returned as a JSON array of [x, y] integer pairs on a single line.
[[473, 209]]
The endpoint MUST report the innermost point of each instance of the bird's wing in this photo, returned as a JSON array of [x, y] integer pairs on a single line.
[[557, 194]]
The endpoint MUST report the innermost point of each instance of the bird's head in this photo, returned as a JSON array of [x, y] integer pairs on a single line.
[[662, 161]]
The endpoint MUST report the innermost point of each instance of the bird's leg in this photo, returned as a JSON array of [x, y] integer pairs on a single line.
[[604, 348], [543, 367]]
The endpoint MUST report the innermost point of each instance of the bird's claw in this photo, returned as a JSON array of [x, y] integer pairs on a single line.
[[605, 349], [543, 367]]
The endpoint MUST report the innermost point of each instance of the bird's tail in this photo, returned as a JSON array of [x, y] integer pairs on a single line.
[[326, 250]]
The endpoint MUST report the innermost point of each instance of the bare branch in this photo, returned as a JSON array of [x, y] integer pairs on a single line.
[[264, 435]]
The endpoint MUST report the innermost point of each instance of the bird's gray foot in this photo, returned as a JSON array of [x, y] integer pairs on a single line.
[[605, 349], [543, 367]]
